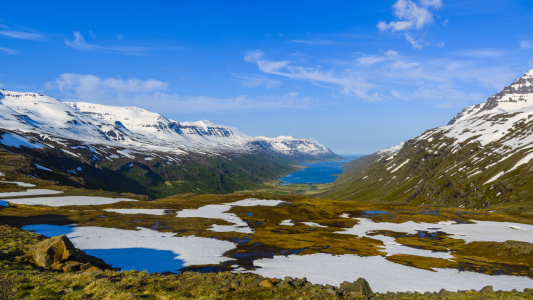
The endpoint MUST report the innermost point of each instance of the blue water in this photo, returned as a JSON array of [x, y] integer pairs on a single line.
[[321, 172]]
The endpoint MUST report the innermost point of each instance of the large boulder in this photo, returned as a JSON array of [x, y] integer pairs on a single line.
[[360, 287], [51, 251], [59, 253]]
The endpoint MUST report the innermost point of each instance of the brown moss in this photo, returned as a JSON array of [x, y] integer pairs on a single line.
[[422, 262]]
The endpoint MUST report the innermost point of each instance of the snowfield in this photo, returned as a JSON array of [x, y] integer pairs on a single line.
[[66, 200]]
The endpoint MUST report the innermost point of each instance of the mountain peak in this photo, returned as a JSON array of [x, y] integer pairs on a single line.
[[517, 95]]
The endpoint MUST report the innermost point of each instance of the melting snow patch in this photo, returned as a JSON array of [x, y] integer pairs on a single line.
[[476, 232], [345, 215], [401, 165], [382, 274], [67, 200], [42, 168], [286, 223], [495, 177], [313, 224], [142, 249], [134, 211], [22, 184], [34, 192], [219, 211]]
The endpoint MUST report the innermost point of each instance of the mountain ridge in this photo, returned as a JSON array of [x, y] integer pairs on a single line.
[[482, 158], [134, 150]]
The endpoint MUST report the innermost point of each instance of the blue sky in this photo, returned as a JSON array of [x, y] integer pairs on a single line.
[[358, 76]]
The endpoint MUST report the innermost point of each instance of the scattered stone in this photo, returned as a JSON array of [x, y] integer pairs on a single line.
[[85, 267], [487, 289], [357, 295], [359, 286], [94, 269], [267, 283]]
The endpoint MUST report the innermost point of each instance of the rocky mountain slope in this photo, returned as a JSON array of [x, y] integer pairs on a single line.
[[482, 158], [129, 149]]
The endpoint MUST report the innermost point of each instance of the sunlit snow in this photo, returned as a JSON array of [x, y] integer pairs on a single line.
[[219, 211], [67, 200], [142, 249], [31, 192], [133, 211]]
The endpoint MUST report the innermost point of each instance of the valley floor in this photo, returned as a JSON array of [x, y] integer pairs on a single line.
[[423, 249]]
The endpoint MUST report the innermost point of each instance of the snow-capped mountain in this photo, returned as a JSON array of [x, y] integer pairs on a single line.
[[483, 157], [132, 127], [128, 149]]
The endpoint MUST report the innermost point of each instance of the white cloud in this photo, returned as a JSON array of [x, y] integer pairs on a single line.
[[411, 16], [150, 94], [8, 51], [313, 42], [525, 44], [257, 80], [92, 88], [369, 60], [21, 35], [79, 43], [253, 56], [390, 76], [481, 53]]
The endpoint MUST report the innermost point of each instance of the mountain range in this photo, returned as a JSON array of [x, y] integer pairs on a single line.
[[76, 141], [482, 158]]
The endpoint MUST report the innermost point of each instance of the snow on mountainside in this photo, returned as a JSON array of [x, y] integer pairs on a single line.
[[134, 128], [484, 156]]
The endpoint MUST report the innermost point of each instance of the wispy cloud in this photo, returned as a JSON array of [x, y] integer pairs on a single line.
[[151, 94], [91, 87], [21, 35], [257, 81], [8, 51], [526, 44], [481, 53], [410, 17], [79, 43], [313, 42], [389, 75]]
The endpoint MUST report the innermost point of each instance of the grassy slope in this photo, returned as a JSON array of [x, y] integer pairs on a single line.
[[442, 177]]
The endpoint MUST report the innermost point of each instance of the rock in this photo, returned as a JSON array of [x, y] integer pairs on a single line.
[[50, 251], [58, 253], [358, 286], [330, 291], [487, 289], [71, 266], [266, 283], [85, 267], [357, 295], [58, 266], [93, 269]]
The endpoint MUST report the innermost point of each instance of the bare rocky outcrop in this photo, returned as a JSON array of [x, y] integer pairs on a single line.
[[58, 253], [359, 289]]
